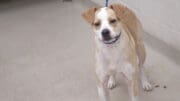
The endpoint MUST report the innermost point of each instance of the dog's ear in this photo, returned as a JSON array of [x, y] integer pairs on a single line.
[[89, 15], [119, 10]]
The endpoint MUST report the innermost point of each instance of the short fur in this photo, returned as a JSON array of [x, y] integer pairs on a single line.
[[125, 56]]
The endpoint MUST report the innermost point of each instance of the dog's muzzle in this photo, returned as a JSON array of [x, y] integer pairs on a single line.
[[112, 40]]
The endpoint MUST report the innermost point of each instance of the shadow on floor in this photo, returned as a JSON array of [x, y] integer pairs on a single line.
[[163, 48]]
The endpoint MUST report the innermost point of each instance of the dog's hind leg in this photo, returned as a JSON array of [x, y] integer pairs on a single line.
[[144, 80], [142, 56]]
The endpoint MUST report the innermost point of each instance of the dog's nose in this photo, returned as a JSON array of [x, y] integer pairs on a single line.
[[106, 34]]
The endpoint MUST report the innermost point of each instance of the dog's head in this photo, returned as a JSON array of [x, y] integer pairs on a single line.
[[106, 22]]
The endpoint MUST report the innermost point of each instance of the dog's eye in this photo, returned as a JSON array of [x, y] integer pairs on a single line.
[[97, 24], [113, 21]]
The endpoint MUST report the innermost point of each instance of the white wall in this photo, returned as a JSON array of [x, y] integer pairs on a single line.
[[160, 18]]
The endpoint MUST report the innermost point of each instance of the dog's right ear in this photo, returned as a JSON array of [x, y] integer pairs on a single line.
[[89, 15]]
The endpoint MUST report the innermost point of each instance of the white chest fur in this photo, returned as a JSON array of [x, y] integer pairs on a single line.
[[111, 58]]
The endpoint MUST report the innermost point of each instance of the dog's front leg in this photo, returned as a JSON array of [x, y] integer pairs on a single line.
[[131, 74], [102, 77], [111, 82], [102, 88], [133, 88], [103, 92]]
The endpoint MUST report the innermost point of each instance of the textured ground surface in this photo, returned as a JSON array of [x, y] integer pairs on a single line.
[[47, 55]]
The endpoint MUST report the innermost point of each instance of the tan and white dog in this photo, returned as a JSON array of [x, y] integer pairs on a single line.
[[119, 49]]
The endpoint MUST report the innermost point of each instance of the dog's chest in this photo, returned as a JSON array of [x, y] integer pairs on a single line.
[[112, 55], [112, 59]]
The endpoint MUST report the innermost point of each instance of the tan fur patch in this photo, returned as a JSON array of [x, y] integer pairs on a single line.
[[89, 15], [129, 19]]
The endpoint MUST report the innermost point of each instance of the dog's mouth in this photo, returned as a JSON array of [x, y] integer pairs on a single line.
[[112, 40]]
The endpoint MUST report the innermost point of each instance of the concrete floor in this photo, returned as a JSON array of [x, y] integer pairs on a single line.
[[47, 55]]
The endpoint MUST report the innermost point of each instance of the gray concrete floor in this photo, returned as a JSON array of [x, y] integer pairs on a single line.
[[47, 55]]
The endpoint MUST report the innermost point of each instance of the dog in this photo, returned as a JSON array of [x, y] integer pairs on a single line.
[[119, 49]]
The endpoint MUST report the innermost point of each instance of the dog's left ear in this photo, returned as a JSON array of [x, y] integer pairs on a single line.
[[119, 9], [89, 15]]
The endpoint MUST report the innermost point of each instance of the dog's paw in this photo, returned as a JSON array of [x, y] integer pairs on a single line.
[[147, 86], [111, 83]]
